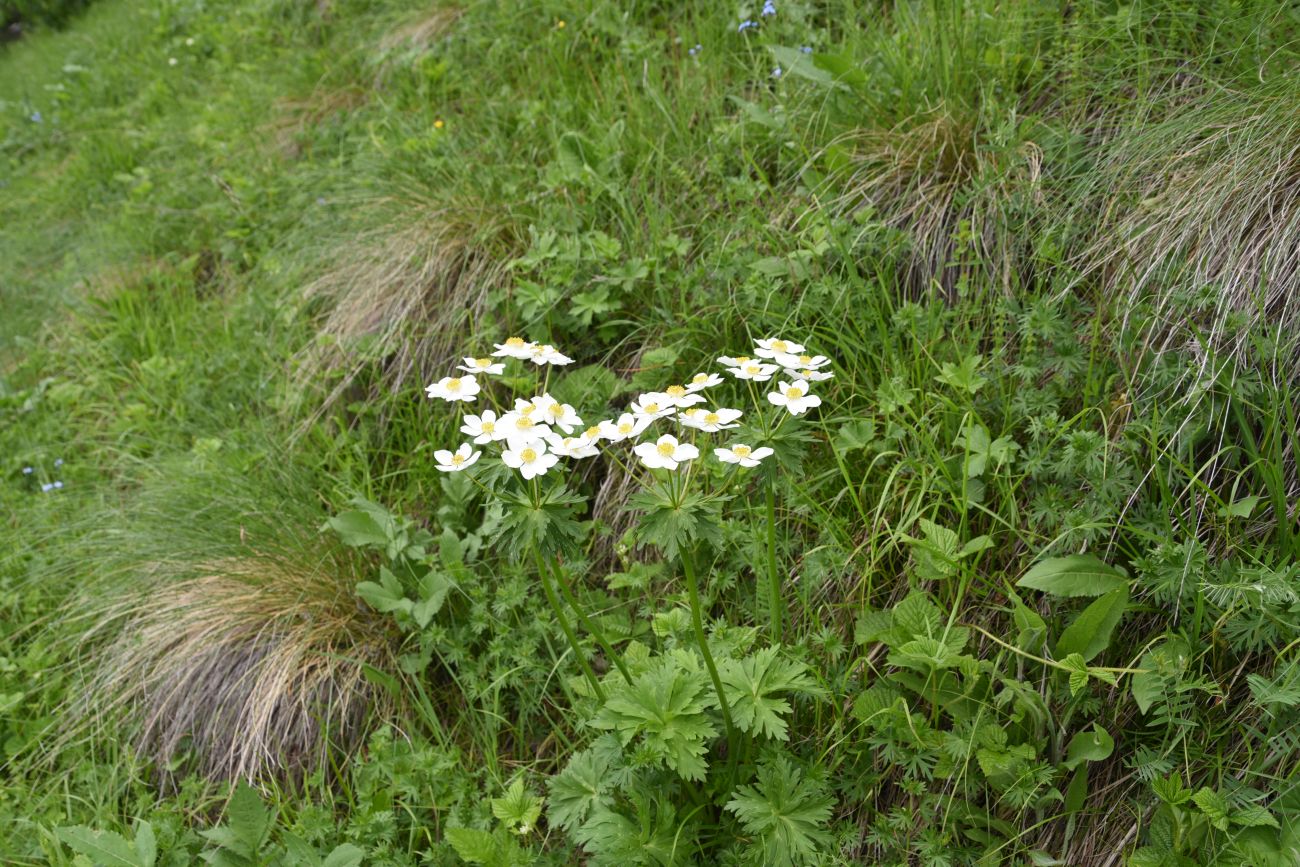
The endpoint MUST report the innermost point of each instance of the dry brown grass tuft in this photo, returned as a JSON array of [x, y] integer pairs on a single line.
[[938, 179], [402, 296], [1197, 213], [252, 667]]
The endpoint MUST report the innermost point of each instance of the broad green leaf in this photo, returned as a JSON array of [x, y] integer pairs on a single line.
[[385, 597], [103, 848], [146, 844], [358, 529], [666, 707], [1090, 632], [1214, 806], [1240, 508], [344, 855], [1075, 575], [1089, 746], [518, 808]]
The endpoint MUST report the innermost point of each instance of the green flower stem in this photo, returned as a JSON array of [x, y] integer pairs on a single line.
[[692, 588], [589, 624], [773, 575], [564, 624]]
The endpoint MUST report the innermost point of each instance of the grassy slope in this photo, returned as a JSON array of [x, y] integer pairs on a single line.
[[162, 221]]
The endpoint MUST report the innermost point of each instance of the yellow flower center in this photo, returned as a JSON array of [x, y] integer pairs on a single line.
[[458, 459], [489, 426], [807, 372], [712, 418], [692, 412], [741, 359], [665, 449], [650, 408], [793, 393], [485, 363], [753, 369], [527, 409], [528, 456], [453, 385], [592, 432], [779, 345], [699, 378], [524, 423], [675, 391], [741, 451], [625, 428], [515, 342], [805, 359]]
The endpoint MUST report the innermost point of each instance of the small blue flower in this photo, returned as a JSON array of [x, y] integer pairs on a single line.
[[696, 50], [776, 73], [806, 49], [47, 487], [745, 25], [58, 485], [769, 8], [58, 462], [36, 117], [27, 471]]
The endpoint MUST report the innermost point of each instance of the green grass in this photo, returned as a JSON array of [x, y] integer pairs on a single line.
[[1045, 245]]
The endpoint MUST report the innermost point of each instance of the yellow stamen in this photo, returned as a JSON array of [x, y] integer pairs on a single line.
[[527, 409], [488, 426], [625, 428], [592, 432], [741, 359], [779, 345], [699, 377], [515, 341], [805, 359], [741, 451], [665, 449], [675, 391], [528, 456], [453, 385], [712, 418], [793, 393], [650, 408], [485, 363], [458, 459], [524, 423]]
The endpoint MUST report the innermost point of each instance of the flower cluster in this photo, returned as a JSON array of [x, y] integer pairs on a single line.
[[538, 431]]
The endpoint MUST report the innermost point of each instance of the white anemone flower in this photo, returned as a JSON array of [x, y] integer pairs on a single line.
[[773, 347], [701, 381], [711, 421], [548, 354], [811, 375], [626, 425], [561, 415], [755, 370], [794, 396], [454, 463], [531, 458], [743, 455], [665, 453], [514, 347], [454, 388], [791, 361], [734, 360], [483, 428], [680, 396], [482, 365], [581, 446], [518, 429], [653, 405]]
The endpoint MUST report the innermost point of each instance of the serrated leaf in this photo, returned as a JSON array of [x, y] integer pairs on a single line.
[[344, 855], [1214, 806], [1090, 632], [579, 789], [518, 808], [473, 845], [358, 529], [1078, 670], [754, 685], [1075, 575], [1254, 816], [916, 615], [665, 707], [786, 812], [104, 848]]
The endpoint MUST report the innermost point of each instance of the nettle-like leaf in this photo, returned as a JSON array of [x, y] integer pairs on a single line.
[[518, 808], [110, 849], [754, 686], [982, 450], [248, 823], [652, 836], [667, 708], [674, 525], [786, 812]]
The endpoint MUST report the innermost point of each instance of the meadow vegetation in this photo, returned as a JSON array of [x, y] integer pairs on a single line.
[[1020, 586]]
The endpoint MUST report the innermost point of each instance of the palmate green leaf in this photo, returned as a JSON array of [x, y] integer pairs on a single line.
[[666, 707], [579, 789], [674, 527], [550, 526], [1075, 575], [786, 812], [754, 685]]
